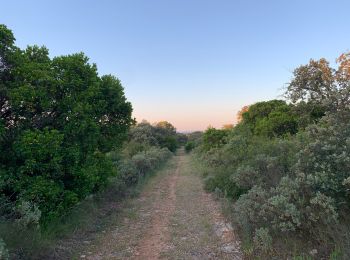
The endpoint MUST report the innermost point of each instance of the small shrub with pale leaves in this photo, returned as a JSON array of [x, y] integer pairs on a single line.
[[4, 254], [140, 164], [29, 214]]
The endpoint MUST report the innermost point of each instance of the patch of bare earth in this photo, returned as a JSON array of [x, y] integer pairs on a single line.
[[230, 244], [172, 219], [199, 230]]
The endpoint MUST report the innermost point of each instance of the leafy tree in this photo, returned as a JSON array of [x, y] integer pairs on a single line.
[[270, 118], [240, 114], [307, 113], [166, 135], [320, 84], [58, 119], [278, 123]]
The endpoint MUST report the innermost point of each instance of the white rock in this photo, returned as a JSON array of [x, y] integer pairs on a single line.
[[228, 248], [313, 252]]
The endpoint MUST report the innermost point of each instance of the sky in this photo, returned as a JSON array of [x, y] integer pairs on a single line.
[[193, 63]]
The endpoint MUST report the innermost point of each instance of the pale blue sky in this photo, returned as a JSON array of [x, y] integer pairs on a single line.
[[191, 62]]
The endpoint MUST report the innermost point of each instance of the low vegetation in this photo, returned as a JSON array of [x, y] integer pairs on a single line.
[[193, 140], [285, 167], [148, 147]]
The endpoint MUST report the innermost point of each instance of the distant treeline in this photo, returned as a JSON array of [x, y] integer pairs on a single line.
[[285, 167]]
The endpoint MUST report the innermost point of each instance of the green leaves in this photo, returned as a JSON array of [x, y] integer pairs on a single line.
[[6, 38], [58, 119], [41, 152], [270, 119], [213, 138]]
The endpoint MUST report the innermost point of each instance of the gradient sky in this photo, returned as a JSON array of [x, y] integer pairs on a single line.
[[192, 62]]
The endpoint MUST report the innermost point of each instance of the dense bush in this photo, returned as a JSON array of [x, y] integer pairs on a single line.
[[189, 146], [162, 134], [58, 118], [193, 140], [4, 254], [214, 138], [166, 135], [286, 167], [144, 151], [131, 170]]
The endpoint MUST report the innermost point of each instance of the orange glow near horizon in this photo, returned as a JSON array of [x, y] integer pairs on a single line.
[[189, 122]]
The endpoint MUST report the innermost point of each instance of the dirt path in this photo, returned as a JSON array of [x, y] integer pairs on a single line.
[[156, 238], [173, 218]]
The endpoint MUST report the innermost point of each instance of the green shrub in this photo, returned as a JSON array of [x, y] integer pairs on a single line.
[[29, 214], [214, 138], [247, 209], [270, 118], [262, 240], [142, 163], [128, 172], [131, 170], [221, 180], [189, 146], [166, 135], [144, 135]]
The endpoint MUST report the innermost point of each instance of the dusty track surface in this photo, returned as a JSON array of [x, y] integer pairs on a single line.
[[173, 218], [157, 237]]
